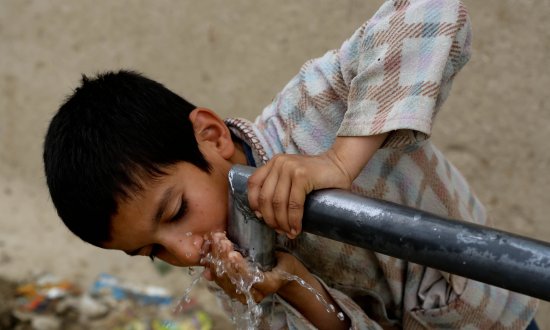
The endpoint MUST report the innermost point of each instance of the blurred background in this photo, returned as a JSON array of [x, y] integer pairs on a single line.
[[234, 56]]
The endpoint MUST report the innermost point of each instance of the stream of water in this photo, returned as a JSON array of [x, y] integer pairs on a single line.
[[250, 315]]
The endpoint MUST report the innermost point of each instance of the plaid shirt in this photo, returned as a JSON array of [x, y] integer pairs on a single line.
[[392, 75]]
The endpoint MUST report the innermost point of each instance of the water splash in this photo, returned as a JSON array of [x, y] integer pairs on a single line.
[[186, 297], [248, 316], [243, 316]]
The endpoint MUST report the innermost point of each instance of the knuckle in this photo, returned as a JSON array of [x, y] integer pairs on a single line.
[[262, 199], [299, 172], [253, 182], [277, 203], [294, 205]]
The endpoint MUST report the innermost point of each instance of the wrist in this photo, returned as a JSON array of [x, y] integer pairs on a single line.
[[353, 152], [345, 176]]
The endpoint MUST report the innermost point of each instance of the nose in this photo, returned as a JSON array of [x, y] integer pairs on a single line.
[[182, 250]]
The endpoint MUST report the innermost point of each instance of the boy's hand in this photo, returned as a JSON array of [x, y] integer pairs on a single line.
[[277, 190], [237, 269]]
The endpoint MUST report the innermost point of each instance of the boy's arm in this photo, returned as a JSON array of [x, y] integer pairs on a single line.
[[277, 191], [277, 281], [393, 74]]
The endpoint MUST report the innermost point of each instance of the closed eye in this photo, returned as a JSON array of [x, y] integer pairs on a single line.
[[181, 211]]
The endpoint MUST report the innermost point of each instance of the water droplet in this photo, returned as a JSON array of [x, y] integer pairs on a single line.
[[340, 316], [329, 307], [186, 297]]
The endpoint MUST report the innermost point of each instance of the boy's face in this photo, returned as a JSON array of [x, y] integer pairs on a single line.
[[171, 215]]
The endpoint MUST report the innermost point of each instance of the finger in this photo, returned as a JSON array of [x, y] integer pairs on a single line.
[[280, 202], [238, 265], [220, 246], [265, 199], [296, 202], [255, 182]]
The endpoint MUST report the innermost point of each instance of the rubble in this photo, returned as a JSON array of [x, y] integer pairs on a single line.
[[50, 303]]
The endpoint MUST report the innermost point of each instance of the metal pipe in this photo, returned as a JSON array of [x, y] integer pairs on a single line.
[[253, 238], [480, 253]]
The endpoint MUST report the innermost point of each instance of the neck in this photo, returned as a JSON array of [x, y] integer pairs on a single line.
[[239, 156]]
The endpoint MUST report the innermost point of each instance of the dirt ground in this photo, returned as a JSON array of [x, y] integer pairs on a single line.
[[234, 57]]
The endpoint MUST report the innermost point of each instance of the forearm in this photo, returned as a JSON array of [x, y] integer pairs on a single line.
[[351, 153], [308, 305]]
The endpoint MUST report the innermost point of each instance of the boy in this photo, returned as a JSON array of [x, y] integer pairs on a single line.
[[134, 167]]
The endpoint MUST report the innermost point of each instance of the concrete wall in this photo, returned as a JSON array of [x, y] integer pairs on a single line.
[[233, 56]]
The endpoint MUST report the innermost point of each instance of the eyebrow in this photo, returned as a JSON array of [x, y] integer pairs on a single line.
[[166, 197]]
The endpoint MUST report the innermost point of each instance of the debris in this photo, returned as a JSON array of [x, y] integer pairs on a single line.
[[149, 295], [50, 303]]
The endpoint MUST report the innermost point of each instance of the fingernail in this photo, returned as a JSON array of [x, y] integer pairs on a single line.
[[258, 214], [293, 232], [280, 232]]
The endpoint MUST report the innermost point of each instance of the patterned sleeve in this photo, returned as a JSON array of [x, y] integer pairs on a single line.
[[399, 67]]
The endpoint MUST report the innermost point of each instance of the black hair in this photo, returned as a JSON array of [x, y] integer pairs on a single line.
[[114, 131]]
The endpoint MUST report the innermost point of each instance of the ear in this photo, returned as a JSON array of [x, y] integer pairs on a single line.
[[211, 132]]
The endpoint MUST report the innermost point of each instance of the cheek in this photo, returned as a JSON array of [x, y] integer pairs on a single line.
[[211, 217]]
